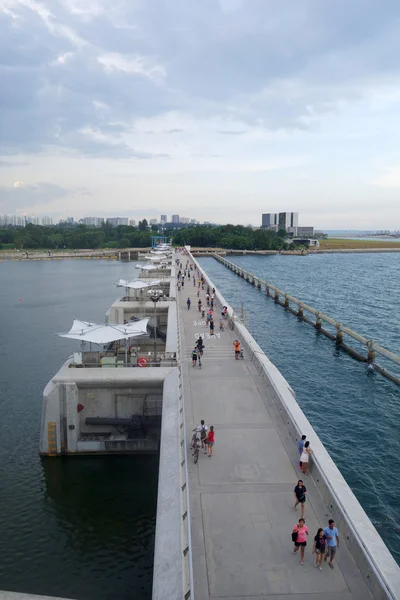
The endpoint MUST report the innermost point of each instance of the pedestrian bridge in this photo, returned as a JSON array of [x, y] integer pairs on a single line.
[[241, 500]]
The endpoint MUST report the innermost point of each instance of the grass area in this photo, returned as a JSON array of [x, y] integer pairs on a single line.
[[339, 243]]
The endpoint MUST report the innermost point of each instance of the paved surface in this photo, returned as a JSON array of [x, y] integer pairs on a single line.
[[242, 498]]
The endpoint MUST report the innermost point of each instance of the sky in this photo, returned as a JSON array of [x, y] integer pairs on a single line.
[[217, 110]]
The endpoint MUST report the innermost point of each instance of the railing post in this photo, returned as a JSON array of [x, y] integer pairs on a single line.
[[300, 311], [286, 301], [267, 289], [339, 335], [318, 321], [371, 352], [276, 297]]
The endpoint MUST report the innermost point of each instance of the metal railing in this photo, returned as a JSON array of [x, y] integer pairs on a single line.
[[286, 300], [186, 520]]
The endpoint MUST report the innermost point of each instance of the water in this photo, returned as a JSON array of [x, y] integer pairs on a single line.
[[74, 527], [355, 412]]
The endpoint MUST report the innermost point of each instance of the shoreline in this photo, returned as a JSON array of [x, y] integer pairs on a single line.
[[115, 253]]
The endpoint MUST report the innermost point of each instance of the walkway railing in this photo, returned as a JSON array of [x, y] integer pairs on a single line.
[[184, 476], [287, 301]]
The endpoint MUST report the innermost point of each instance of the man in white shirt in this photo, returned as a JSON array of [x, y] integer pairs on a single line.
[[203, 432]]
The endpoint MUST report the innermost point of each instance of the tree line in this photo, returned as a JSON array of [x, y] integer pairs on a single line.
[[235, 237]]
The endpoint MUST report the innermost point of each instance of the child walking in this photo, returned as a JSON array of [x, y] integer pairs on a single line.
[[210, 441]]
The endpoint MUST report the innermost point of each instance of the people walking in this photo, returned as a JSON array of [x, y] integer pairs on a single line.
[[194, 356], [305, 457], [236, 345], [210, 441], [299, 537], [199, 304], [211, 326], [332, 542], [300, 444], [319, 548], [188, 302], [300, 492], [203, 311], [203, 430]]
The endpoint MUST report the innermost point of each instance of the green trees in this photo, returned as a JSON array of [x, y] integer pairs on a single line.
[[235, 237]]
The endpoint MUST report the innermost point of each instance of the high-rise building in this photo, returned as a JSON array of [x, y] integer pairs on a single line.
[[269, 220], [132, 222], [175, 219], [288, 219], [163, 219], [32, 219], [92, 221], [116, 221], [153, 222], [184, 220], [305, 231], [12, 221], [70, 220], [47, 220]]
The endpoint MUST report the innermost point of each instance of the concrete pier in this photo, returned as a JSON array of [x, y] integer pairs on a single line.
[[241, 499]]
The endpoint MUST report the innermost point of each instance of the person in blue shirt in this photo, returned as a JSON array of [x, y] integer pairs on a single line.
[[332, 542], [300, 444]]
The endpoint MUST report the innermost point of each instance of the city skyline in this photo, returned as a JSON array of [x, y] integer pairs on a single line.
[[243, 108]]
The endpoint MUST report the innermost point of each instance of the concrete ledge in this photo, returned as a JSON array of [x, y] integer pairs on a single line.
[[171, 344], [168, 552], [376, 564]]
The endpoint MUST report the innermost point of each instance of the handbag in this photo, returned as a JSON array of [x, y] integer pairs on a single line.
[[294, 536]]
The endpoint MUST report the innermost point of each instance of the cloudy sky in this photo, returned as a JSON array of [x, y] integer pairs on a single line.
[[214, 109]]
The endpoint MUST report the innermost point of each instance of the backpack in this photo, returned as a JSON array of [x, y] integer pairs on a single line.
[[203, 433]]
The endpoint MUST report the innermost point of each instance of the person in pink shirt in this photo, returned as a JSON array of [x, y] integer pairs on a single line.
[[299, 537]]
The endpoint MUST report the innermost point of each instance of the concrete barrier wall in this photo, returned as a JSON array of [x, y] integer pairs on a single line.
[[377, 565]]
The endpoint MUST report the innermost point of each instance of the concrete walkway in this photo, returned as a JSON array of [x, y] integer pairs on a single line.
[[242, 498]]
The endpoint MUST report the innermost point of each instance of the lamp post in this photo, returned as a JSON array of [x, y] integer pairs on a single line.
[[155, 298]]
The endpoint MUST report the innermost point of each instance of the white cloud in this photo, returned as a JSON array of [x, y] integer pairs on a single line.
[[132, 65]]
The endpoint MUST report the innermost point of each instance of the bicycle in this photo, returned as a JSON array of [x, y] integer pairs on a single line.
[[199, 358], [195, 447]]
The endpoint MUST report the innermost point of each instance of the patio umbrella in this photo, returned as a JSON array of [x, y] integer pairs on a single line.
[[137, 284], [85, 331]]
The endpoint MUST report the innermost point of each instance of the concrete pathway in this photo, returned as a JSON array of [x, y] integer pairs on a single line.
[[242, 498]]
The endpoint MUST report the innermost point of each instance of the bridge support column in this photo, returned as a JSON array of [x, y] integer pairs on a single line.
[[339, 335], [286, 301], [276, 297], [318, 322], [119, 255], [300, 312], [371, 352], [267, 290]]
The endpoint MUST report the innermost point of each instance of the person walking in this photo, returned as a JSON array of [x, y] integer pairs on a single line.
[[210, 441], [208, 299], [305, 457], [300, 492], [211, 326], [203, 311], [203, 429], [183, 282], [179, 286], [332, 542], [319, 548], [199, 304], [300, 444], [236, 345], [188, 302], [194, 357], [299, 537]]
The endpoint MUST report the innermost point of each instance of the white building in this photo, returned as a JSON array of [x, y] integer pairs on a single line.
[[288, 220], [12, 221], [47, 220], [163, 219], [92, 221], [116, 221], [132, 222], [32, 219], [269, 220]]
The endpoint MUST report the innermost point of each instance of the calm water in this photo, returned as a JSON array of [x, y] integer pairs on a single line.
[[355, 412], [74, 527]]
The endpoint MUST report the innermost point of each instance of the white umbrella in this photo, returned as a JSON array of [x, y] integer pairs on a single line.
[[155, 259], [149, 267], [104, 334], [137, 284]]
